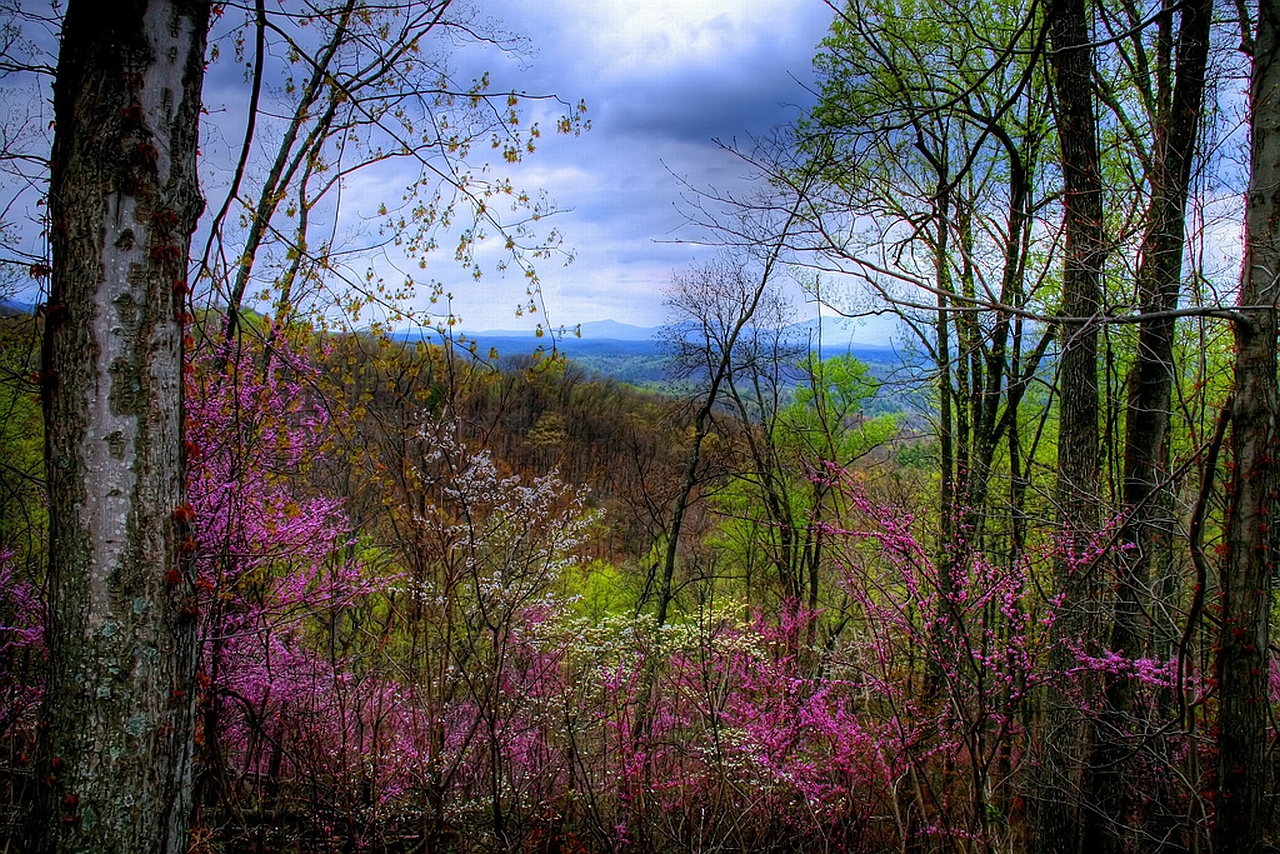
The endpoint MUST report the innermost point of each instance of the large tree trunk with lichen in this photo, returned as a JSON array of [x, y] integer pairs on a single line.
[[1241, 666], [123, 202]]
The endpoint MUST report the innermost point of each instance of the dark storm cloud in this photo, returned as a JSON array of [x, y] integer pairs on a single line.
[[702, 110]]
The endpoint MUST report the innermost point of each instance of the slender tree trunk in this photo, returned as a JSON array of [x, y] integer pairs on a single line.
[[123, 202], [1241, 665], [1062, 788], [1148, 524], [951, 483], [720, 370], [1148, 498]]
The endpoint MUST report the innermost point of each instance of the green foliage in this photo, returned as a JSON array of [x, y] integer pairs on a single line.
[[23, 515], [827, 412], [599, 589]]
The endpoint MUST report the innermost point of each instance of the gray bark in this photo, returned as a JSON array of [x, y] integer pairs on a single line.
[[123, 201], [1241, 664]]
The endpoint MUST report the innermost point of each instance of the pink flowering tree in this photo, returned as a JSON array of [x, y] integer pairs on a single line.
[[952, 665], [375, 682], [951, 712], [22, 655], [275, 578]]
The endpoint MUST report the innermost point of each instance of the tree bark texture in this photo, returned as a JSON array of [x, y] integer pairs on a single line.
[[123, 202], [1060, 810], [1241, 664]]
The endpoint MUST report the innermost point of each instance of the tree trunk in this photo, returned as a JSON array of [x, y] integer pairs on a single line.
[[1148, 524], [1148, 496], [1241, 665], [1062, 788], [123, 203]]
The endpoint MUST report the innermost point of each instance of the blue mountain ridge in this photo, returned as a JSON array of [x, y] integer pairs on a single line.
[[634, 354]]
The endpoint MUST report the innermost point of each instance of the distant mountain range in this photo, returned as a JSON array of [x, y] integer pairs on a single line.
[[837, 335], [15, 308], [633, 354], [595, 330]]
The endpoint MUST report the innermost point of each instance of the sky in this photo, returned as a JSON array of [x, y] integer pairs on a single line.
[[663, 80]]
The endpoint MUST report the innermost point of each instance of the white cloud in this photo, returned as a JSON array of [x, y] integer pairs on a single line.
[[619, 40]]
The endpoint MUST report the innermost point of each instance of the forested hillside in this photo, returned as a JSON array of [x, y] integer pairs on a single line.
[[274, 577]]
